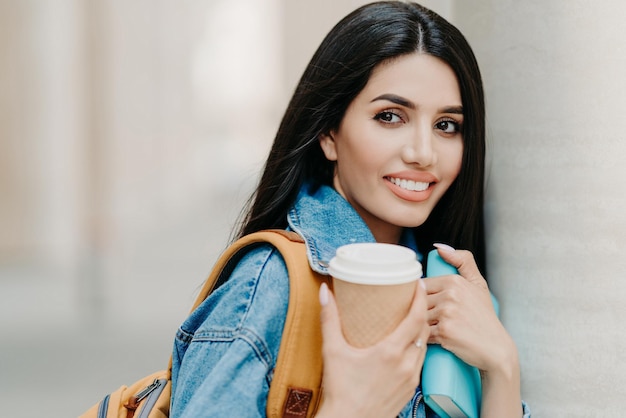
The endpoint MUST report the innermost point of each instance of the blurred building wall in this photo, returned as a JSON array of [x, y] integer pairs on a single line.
[[42, 108], [117, 118], [131, 133]]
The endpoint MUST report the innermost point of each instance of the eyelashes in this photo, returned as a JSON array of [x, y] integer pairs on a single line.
[[388, 117], [447, 125]]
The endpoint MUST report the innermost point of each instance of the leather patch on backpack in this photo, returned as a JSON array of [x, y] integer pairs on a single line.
[[297, 404]]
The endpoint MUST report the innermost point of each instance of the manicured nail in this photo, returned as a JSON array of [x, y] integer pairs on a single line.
[[423, 284], [323, 294], [444, 247]]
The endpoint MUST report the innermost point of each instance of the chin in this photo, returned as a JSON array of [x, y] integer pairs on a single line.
[[410, 222]]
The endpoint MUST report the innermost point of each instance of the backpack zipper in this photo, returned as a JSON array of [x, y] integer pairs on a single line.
[[134, 401], [148, 390]]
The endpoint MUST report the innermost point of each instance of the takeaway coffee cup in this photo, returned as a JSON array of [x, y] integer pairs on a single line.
[[374, 285]]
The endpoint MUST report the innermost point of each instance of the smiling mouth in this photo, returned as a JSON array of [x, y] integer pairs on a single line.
[[410, 185]]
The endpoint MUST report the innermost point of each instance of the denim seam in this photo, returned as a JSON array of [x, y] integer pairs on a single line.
[[244, 334], [255, 279], [311, 249], [183, 336]]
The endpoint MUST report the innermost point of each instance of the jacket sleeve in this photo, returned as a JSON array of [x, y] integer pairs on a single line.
[[225, 353]]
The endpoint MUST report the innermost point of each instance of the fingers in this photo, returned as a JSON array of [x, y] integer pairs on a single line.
[[463, 261], [437, 335], [331, 325], [413, 332], [435, 285], [420, 346], [421, 341], [417, 361]]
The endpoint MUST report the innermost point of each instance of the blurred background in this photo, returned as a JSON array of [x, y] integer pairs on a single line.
[[132, 132]]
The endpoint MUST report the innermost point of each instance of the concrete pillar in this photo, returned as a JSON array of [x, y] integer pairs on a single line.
[[556, 193]]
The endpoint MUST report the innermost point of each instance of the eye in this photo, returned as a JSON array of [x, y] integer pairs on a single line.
[[448, 126], [388, 117]]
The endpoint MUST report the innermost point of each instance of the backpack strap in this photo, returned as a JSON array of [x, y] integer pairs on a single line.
[[297, 384], [296, 387]]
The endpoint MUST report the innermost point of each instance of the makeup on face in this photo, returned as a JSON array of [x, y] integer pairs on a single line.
[[399, 146]]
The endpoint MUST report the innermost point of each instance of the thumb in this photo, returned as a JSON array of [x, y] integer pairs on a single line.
[[331, 325], [463, 261]]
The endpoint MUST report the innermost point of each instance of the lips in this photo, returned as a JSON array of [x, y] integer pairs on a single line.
[[411, 186]]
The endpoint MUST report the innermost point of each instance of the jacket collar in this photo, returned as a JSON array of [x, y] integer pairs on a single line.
[[326, 221]]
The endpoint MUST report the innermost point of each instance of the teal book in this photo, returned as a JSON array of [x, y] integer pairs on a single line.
[[451, 388]]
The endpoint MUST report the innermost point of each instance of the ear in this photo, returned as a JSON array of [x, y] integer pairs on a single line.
[[327, 142]]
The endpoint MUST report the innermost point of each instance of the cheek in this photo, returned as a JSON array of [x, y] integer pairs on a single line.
[[453, 159], [359, 153]]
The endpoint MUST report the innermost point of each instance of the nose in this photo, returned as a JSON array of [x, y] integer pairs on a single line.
[[419, 148]]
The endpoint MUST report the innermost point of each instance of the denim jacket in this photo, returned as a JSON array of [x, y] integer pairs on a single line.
[[225, 352]]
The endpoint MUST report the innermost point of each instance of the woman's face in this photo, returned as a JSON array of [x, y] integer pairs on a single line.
[[399, 146]]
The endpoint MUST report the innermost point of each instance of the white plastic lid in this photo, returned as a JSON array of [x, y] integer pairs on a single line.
[[375, 264]]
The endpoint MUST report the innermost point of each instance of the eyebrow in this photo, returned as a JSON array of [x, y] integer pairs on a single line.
[[399, 100], [453, 109], [394, 98]]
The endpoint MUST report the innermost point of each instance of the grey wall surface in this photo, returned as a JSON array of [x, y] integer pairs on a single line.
[[556, 193]]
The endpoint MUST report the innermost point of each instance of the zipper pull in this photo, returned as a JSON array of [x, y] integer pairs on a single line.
[[148, 390], [133, 401]]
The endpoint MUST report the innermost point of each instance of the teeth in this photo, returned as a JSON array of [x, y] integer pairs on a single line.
[[415, 186]]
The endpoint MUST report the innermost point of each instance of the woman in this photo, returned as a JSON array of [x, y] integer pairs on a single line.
[[383, 140]]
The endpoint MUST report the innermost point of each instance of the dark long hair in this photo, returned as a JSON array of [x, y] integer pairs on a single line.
[[339, 70]]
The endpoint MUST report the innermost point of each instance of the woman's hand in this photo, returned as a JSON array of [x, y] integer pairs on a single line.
[[463, 320], [461, 314], [376, 381]]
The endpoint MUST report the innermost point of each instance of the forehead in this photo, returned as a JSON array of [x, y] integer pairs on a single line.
[[419, 77]]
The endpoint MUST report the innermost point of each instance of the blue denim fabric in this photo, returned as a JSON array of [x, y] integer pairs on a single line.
[[225, 352]]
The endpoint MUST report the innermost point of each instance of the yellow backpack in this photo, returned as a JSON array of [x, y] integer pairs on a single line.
[[296, 387]]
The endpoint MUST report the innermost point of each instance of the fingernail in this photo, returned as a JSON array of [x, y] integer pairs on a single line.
[[323, 294], [444, 247], [423, 284]]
